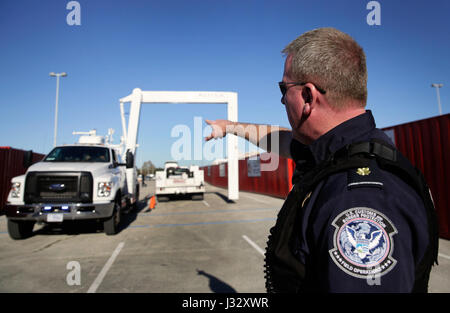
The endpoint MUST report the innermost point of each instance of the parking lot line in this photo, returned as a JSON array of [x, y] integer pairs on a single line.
[[444, 256], [105, 269], [206, 203], [254, 245]]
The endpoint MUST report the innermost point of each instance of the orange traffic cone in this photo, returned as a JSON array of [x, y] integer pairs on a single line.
[[152, 203]]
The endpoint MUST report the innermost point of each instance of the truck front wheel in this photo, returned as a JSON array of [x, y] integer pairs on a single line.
[[20, 229], [111, 225]]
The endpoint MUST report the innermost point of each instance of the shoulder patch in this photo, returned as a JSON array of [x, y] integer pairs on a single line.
[[362, 243], [364, 177]]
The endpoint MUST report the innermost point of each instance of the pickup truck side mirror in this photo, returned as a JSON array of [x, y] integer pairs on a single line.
[[27, 159], [129, 159]]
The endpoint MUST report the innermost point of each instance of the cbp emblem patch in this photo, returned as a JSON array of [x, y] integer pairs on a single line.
[[363, 243]]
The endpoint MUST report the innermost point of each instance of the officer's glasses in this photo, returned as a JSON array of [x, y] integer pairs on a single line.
[[284, 88]]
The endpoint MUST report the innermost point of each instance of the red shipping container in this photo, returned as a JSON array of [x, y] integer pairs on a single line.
[[11, 165], [275, 183], [426, 143]]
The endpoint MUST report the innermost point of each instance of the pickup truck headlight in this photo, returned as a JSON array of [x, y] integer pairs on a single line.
[[104, 189], [15, 190]]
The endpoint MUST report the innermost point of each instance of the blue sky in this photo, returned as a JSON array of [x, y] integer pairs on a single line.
[[200, 45]]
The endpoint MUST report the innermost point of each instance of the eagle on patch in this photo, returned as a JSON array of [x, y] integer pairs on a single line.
[[362, 244]]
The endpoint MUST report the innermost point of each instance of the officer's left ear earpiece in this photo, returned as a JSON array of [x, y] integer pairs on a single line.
[[307, 98], [306, 109]]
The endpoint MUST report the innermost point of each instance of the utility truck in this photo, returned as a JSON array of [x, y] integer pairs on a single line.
[[82, 181], [179, 180]]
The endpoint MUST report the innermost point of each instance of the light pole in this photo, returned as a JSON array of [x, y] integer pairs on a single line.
[[57, 75], [437, 86]]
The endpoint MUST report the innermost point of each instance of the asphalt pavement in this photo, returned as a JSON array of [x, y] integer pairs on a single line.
[[192, 246]]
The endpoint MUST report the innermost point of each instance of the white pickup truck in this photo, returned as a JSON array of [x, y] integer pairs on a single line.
[[179, 180], [73, 182]]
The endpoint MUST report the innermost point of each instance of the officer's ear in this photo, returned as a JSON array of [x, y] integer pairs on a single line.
[[308, 99], [306, 110], [307, 95]]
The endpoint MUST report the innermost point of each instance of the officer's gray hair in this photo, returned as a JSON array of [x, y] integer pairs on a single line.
[[333, 61]]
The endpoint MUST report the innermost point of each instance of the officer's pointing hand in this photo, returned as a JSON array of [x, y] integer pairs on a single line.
[[219, 128]]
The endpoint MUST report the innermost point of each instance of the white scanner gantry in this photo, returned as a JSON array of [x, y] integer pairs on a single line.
[[137, 97]]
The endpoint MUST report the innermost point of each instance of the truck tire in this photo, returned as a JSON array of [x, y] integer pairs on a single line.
[[111, 225], [20, 229]]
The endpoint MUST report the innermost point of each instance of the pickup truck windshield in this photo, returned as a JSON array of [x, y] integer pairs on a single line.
[[178, 171], [78, 154]]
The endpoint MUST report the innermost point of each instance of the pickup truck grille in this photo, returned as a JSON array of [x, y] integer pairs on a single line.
[[58, 187]]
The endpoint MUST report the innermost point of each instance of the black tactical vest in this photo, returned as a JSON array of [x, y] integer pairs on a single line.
[[284, 272]]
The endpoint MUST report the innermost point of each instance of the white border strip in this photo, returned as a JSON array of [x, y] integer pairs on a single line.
[[254, 245], [105, 269]]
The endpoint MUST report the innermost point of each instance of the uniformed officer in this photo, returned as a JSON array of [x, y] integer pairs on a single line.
[[357, 228]]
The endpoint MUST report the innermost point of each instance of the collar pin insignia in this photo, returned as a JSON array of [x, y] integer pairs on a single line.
[[363, 171]]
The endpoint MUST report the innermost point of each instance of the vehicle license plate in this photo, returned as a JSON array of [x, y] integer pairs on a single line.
[[55, 217]]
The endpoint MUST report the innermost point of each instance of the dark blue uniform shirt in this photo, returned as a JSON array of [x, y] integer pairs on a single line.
[[363, 230]]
